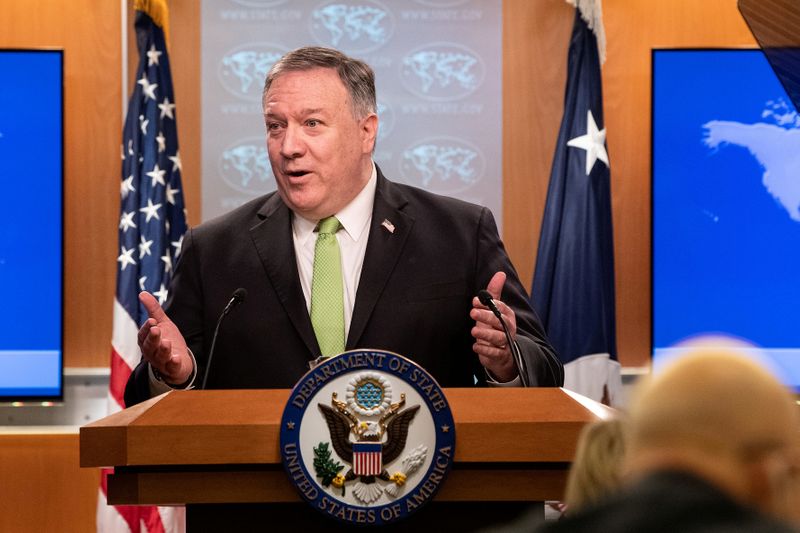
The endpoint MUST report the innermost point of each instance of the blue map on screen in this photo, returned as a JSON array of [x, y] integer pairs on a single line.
[[31, 232], [726, 205]]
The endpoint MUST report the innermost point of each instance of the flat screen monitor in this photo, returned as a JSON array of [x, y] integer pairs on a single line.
[[31, 225], [726, 205]]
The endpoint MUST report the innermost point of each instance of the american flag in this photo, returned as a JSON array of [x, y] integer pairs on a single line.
[[151, 227], [367, 458]]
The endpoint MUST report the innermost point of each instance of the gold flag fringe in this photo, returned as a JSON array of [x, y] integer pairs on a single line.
[[156, 10]]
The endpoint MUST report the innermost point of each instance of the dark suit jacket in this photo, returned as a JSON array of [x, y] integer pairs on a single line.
[[414, 295], [668, 502]]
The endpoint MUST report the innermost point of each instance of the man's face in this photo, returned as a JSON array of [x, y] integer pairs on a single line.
[[320, 154]]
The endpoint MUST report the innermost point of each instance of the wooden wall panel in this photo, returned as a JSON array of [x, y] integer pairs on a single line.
[[89, 33], [535, 41], [42, 487], [185, 51]]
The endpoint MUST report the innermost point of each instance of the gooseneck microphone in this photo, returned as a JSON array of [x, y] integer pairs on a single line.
[[486, 299], [237, 297]]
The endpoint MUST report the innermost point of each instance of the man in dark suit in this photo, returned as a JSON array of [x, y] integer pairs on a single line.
[[412, 262], [712, 448]]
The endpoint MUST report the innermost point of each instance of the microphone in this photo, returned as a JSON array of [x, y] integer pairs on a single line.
[[237, 297], [486, 299]]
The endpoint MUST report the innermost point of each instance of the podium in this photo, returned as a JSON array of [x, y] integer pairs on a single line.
[[222, 446]]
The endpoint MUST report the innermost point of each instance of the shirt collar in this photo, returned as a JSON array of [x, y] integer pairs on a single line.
[[354, 217]]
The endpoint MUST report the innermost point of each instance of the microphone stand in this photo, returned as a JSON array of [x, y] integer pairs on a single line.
[[522, 368], [237, 298]]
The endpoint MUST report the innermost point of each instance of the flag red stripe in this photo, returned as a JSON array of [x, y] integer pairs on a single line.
[[132, 514], [120, 372], [367, 463]]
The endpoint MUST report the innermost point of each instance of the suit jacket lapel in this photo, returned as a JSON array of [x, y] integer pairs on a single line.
[[272, 237], [383, 251]]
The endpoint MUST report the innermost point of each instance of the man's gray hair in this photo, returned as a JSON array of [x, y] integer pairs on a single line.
[[357, 77]]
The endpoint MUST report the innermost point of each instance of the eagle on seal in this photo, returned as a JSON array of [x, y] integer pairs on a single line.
[[394, 424]]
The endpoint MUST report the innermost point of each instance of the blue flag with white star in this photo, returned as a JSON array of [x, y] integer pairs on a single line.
[[573, 285], [152, 217]]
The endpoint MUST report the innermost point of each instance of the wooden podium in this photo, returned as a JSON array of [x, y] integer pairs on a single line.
[[223, 446]]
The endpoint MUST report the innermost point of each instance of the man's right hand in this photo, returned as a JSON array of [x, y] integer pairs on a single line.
[[162, 344]]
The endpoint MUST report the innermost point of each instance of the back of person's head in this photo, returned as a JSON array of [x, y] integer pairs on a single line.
[[722, 417], [358, 77], [597, 468]]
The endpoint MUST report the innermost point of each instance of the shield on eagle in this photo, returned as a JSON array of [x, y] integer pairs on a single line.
[[367, 458]]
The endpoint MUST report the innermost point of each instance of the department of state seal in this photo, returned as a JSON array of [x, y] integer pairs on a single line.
[[367, 437]]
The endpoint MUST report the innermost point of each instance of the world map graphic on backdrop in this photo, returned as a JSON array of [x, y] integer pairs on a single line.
[[774, 144], [362, 27], [438, 75]]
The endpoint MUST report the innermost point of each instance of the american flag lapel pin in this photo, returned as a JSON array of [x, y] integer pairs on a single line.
[[388, 225]]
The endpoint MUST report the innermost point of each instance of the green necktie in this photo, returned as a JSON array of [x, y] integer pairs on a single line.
[[327, 291]]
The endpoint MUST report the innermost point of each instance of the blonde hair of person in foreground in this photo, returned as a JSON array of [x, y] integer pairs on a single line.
[[597, 467], [723, 418]]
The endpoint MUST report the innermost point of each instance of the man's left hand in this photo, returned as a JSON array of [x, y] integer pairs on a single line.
[[490, 340]]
